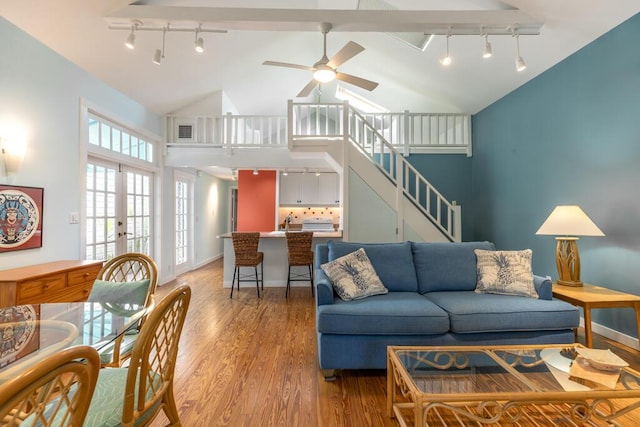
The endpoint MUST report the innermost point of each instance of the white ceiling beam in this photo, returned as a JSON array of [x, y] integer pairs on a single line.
[[431, 22]]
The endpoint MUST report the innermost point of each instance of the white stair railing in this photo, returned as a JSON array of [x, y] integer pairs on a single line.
[[442, 213], [326, 121]]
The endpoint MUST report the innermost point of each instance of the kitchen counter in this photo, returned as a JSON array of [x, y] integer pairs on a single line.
[[280, 234], [274, 246]]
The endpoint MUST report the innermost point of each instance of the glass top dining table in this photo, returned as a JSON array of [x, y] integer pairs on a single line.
[[30, 333]]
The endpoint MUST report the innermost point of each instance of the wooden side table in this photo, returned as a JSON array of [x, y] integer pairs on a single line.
[[591, 296]]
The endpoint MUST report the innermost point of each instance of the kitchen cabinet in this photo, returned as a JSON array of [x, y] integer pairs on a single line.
[[59, 281], [328, 189], [307, 189]]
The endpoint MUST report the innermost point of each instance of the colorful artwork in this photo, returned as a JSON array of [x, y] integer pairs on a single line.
[[19, 332], [20, 218]]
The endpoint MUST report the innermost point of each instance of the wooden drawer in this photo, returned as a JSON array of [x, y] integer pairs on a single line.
[[83, 276], [77, 293], [35, 291]]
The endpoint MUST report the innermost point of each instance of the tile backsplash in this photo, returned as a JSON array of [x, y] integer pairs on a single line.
[[299, 214]]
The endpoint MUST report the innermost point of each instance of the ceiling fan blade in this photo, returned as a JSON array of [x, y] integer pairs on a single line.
[[307, 89], [349, 50], [358, 81], [286, 64]]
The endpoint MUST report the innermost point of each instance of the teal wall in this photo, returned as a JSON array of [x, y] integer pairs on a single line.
[[450, 174], [569, 136]]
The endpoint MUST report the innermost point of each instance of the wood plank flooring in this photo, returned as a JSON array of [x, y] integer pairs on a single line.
[[253, 362]]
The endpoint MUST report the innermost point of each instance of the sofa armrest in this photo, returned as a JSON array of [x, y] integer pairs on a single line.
[[543, 287], [324, 289]]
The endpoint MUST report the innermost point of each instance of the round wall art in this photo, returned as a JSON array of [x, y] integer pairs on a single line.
[[20, 218]]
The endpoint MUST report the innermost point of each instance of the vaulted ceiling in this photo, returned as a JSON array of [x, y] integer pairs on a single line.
[[409, 78]]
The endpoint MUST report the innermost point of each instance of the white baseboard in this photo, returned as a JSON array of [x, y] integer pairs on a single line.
[[612, 334]]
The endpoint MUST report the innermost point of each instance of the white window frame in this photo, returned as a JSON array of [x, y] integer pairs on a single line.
[[190, 246], [154, 167]]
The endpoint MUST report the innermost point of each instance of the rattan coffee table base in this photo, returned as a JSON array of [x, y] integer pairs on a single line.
[[451, 397]]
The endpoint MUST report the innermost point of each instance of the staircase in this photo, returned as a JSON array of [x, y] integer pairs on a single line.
[[381, 190]]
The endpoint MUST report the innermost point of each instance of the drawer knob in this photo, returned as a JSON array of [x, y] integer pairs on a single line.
[[45, 286]]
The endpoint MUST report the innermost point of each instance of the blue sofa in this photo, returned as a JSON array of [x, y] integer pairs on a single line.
[[431, 301]]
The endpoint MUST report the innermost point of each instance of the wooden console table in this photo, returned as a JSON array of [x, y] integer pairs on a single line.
[[58, 281], [590, 296]]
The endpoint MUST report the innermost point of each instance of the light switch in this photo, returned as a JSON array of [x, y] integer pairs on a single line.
[[74, 217]]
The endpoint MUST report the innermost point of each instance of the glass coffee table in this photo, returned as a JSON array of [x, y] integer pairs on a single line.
[[499, 385]]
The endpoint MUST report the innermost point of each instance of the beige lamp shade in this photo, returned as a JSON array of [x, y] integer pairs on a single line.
[[569, 220]]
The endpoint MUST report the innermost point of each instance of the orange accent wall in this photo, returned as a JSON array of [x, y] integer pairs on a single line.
[[256, 200]]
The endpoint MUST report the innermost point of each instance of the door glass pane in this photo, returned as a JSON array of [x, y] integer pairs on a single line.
[[100, 230], [181, 221], [138, 218]]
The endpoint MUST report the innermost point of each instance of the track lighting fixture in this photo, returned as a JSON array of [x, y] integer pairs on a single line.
[[487, 51], [234, 174], [520, 64], [199, 42], [136, 26], [317, 172], [159, 54], [285, 172], [255, 171], [446, 60]]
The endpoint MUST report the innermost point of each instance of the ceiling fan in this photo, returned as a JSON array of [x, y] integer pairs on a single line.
[[325, 70]]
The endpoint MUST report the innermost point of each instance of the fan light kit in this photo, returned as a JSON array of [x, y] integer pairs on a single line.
[[325, 70], [137, 25]]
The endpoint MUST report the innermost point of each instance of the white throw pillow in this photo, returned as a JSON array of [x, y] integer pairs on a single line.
[[353, 277], [505, 273]]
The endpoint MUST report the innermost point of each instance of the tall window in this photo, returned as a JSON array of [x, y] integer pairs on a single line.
[[182, 215], [183, 222], [119, 191]]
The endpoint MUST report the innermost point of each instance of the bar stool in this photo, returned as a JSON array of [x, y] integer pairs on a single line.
[[299, 254], [245, 248]]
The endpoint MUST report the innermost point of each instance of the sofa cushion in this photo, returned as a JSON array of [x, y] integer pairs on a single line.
[[392, 261], [446, 266], [505, 273], [353, 276], [399, 313], [470, 312]]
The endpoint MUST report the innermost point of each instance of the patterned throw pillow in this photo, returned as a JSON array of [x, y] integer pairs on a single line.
[[505, 273], [353, 276]]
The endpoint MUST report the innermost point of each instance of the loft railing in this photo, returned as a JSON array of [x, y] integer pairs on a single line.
[[407, 132], [312, 121]]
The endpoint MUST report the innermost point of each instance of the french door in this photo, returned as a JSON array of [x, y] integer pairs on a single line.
[[119, 210]]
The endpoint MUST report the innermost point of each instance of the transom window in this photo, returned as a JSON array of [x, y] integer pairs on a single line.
[[105, 134]]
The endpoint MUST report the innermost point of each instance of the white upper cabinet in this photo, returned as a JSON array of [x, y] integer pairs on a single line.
[[329, 189], [307, 189]]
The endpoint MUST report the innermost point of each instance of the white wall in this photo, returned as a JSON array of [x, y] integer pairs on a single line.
[[41, 92]]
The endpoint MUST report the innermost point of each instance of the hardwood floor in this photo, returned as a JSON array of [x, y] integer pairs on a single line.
[[252, 362]]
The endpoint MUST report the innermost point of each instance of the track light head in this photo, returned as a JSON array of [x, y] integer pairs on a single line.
[[285, 172], [446, 60], [157, 57], [130, 43], [199, 45], [520, 64], [255, 171], [487, 52]]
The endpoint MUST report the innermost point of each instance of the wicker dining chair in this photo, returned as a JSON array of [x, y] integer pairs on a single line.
[[299, 254], [55, 391], [133, 279], [135, 395], [245, 248]]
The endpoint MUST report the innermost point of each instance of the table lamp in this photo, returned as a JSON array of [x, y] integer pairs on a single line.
[[568, 221]]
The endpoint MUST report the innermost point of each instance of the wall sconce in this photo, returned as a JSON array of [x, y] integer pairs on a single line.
[[12, 151]]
